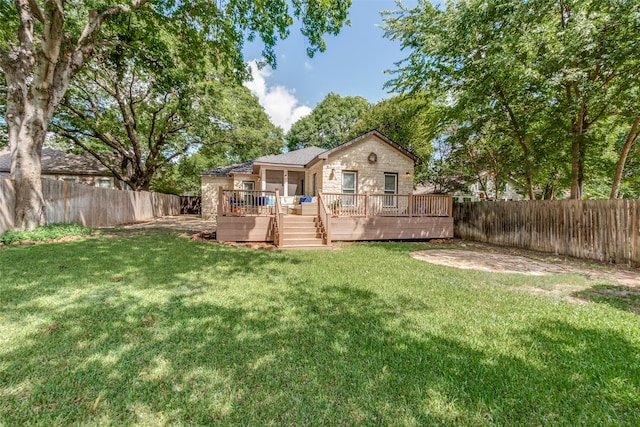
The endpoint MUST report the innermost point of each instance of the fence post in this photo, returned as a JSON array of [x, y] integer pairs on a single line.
[[65, 196]]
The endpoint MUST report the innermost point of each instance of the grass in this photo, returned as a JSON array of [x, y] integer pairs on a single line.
[[154, 329], [49, 232], [618, 296]]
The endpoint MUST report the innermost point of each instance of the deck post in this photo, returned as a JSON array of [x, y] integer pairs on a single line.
[[410, 205], [366, 204]]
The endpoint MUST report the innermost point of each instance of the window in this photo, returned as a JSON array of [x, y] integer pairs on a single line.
[[349, 185], [315, 185], [71, 179], [248, 197], [390, 190], [104, 183]]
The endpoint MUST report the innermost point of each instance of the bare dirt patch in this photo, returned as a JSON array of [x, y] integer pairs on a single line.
[[604, 282]]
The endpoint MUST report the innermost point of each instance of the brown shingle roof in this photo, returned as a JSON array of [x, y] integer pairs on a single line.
[[245, 167], [294, 158], [59, 162]]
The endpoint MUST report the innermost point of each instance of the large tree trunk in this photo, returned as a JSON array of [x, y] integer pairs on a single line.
[[28, 116], [26, 171], [626, 148], [578, 148], [38, 75], [576, 184]]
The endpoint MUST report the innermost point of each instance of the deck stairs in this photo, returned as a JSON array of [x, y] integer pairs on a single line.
[[302, 232]]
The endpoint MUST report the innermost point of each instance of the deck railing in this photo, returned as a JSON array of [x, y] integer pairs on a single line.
[[405, 205], [247, 202], [324, 214], [267, 203], [278, 234]]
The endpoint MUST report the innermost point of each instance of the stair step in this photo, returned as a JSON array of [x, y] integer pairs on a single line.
[[312, 235], [303, 241], [306, 247]]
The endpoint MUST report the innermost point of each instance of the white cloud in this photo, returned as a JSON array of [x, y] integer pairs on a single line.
[[307, 65], [278, 101]]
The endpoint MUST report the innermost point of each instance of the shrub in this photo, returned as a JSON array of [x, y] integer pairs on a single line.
[[48, 232]]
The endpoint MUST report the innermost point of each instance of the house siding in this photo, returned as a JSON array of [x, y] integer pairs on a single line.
[[370, 175], [210, 186], [317, 169]]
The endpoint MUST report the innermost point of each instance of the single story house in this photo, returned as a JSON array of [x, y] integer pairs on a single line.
[[360, 190], [75, 168]]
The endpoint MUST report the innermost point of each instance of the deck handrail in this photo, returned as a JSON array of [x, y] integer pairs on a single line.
[[246, 202], [278, 220], [323, 214], [402, 205]]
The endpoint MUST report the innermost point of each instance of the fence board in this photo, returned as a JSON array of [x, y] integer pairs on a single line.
[[7, 200], [66, 202], [602, 230]]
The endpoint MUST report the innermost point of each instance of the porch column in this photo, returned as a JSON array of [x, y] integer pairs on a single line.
[[263, 179], [285, 183]]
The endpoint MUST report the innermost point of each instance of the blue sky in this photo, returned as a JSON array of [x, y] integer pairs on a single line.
[[353, 65]]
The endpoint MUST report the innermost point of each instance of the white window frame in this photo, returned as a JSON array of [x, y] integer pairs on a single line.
[[349, 200], [391, 199], [107, 180]]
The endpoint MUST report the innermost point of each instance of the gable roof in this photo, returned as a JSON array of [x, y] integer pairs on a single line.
[[245, 167], [60, 162], [300, 157], [400, 148], [303, 157]]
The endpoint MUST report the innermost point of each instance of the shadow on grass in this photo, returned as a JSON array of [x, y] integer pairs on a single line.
[[228, 352], [622, 297]]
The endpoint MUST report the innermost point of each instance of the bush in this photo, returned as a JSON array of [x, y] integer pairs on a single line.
[[48, 232]]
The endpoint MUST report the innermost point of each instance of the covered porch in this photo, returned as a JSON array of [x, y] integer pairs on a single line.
[[264, 215]]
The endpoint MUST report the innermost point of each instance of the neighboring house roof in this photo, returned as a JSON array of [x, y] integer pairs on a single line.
[[293, 158], [59, 162], [245, 167]]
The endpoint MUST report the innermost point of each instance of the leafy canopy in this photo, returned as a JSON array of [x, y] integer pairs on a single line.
[[328, 124]]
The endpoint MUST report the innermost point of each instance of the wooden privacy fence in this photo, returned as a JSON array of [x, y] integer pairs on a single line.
[[7, 206], [602, 230], [90, 206], [190, 205]]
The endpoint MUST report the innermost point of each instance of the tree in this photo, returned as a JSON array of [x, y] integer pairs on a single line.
[[548, 72], [138, 112], [44, 44], [406, 120], [246, 133], [328, 124]]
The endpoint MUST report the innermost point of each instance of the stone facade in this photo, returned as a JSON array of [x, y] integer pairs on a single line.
[[370, 174], [370, 156], [210, 186]]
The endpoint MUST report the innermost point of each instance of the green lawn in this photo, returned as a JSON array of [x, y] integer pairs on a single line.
[[155, 329]]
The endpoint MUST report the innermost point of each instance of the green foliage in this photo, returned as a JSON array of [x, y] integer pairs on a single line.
[[140, 111], [203, 28], [328, 124], [48, 232], [406, 120], [156, 329], [546, 77]]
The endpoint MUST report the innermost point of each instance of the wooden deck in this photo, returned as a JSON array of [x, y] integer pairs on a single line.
[[258, 216]]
